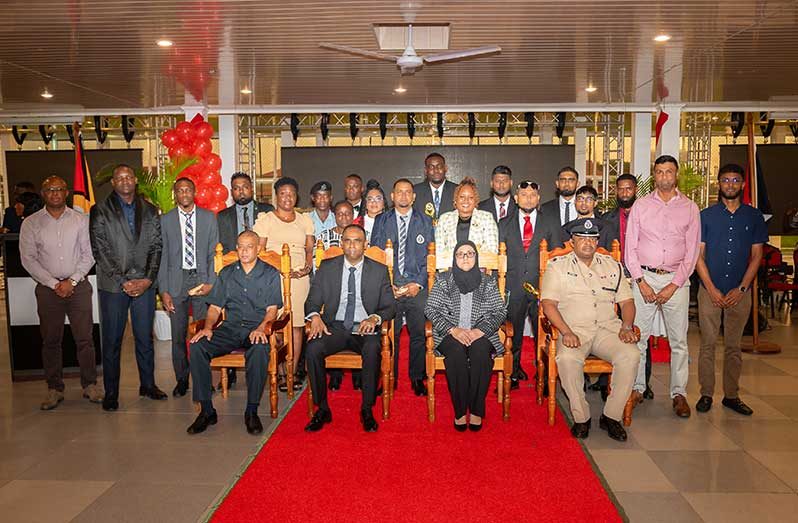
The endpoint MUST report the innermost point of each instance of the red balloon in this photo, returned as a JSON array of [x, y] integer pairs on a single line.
[[203, 130], [192, 171], [220, 193], [170, 138], [185, 132], [217, 206], [179, 151], [213, 162], [204, 195], [210, 178], [203, 148]]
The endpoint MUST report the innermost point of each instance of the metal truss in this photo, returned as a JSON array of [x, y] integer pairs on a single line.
[[698, 135], [613, 125]]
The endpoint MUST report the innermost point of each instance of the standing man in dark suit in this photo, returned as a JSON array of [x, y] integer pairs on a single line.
[[410, 233], [563, 204], [522, 233], [242, 214], [585, 201], [186, 276], [350, 320], [500, 203], [126, 241], [435, 195], [353, 191]]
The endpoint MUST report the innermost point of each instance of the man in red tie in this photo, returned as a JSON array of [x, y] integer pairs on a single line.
[[522, 231]]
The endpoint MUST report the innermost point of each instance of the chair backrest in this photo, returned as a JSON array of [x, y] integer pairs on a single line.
[[383, 256], [280, 261], [490, 261]]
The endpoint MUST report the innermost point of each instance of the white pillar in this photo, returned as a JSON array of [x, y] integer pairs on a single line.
[[228, 149], [641, 145], [669, 136], [580, 154], [546, 136]]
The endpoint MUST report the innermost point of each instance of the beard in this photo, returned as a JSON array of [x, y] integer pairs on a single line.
[[501, 194], [566, 192], [732, 196], [243, 200], [528, 211], [626, 204]]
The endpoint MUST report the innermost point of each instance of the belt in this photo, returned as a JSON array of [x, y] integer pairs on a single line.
[[655, 270]]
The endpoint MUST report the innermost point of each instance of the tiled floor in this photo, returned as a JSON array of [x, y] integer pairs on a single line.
[[78, 463]]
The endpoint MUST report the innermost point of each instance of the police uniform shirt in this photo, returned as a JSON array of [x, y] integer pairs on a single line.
[[586, 296], [245, 297]]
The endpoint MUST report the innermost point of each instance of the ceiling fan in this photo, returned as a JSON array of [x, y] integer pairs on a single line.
[[409, 62]]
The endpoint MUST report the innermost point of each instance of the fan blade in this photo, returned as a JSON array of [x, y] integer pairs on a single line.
[[358, 52], [465, 53]]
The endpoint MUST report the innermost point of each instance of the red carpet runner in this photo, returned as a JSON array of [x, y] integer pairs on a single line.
[[413, 470]]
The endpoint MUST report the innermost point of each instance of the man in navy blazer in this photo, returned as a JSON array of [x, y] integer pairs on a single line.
[[186, 274], [410, 233]]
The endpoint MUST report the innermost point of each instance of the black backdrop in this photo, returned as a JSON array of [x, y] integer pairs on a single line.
[[385, 164]]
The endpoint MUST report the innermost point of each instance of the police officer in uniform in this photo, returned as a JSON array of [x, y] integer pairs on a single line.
[[579, 294]]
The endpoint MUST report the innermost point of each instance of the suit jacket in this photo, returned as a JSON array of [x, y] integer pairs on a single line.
[[419, 234], [524, 266], [120, 254], [489, 204], [228, 224], [612, 222], [424, 196], [325, 290], [483, 232], [170, 275], [552, 207]]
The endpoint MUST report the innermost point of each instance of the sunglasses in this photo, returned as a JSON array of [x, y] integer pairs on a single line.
[[526, 184]]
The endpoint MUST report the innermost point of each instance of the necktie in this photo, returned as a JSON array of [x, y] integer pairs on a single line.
[[188, 252], [527, 233], [246, 218], [402, 242], [436, 201], [351, 295], [502, 211], [567, 212]]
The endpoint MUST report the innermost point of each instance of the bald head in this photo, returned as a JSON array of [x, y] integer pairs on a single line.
[[247, 247], [54, 193]]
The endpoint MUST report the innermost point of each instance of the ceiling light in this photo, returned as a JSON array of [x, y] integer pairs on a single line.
[[400, 90], [165, 43], [662, 38], [246, 90], [591, 89], [47, 94], [714, 118]]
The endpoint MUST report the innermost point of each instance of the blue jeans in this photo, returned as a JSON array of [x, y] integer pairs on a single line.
[[114, 307]]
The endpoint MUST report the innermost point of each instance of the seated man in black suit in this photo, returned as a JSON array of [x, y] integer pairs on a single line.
[[350, 320]]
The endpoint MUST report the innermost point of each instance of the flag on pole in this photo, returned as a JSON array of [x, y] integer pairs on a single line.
[[755, 192], [82, 189]]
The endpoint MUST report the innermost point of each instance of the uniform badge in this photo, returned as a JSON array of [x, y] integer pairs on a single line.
[[419, 239], [429, 209], [588, 225]]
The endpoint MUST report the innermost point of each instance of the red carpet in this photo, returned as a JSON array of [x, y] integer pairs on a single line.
[[413, 470]]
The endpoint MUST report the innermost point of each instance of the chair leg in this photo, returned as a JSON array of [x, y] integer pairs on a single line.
[[310, 401], [539, 384], [552, 387], [273, 381], [224, 383], [500, 387], [627, 412], [289, 375], [387, 365], [431, 386]]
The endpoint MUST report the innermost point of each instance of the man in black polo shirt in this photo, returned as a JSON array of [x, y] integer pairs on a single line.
[[732, 236], [249, 292]]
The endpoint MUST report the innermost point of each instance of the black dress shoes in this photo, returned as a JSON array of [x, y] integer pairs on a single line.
[[521, 374], [335, 381], [704, 404], [418, 388], [461, 427], [369, 423], [473, 427], [648, 393], [252, 422], [737, 405], [180, 389], [318, 420], [514, 383], [154, 393], [581, 430], [202, 422], [110, 404], [357, 380], [613, 428]]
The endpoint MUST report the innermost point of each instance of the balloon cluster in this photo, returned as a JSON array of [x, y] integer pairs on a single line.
[[193, 140]]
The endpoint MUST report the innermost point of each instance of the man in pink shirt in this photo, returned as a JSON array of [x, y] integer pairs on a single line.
[[661, 250]]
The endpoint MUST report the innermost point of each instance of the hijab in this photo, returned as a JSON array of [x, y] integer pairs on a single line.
[[467, 281]]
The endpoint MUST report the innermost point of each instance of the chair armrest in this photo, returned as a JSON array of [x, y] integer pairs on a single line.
[[194, 327], [428, 329], [548, 328], [277, 324], [385, 328], [507, 327]]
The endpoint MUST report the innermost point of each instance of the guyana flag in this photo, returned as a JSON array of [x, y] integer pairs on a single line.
[[82, 190]]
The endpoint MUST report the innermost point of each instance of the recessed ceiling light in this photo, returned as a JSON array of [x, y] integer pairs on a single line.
[[591, 89], [165, 43], [662, 38], [400, 90], [246, 90], [47, 94]]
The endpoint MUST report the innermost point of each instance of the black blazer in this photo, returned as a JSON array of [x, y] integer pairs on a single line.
[[489, 204], [424, 196], [228, 224], [612, 222], [325, 290], [525, 266], [552, 208], [120, 255]]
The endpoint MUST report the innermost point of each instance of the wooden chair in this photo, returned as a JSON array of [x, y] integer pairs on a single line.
[[349, 359], [279, 346], [547, 341], [502, 365]]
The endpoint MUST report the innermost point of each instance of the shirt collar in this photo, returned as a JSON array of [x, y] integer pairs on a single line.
[[357, 266], [189, 213], [408, 215], [655, 195], [124, 203], [521, 213], [563, 200], [251, 204]]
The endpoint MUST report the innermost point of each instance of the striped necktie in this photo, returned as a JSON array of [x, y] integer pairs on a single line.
[[188, 250], [402, 243], [436, 201]]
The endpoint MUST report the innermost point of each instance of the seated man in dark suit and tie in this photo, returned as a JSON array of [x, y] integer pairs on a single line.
[[343, 317], [410, 233], [249, 292], [522, 233], [500, 203], [435, 195]]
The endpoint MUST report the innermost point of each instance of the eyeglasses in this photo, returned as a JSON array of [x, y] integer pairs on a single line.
[[468, 255], [374, 199], [55, 189], [526, 184], [731, 180], [585, 199]]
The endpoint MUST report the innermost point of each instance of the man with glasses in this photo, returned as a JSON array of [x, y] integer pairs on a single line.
[[585, 201], [732, 238], [435, 195], [500, 203], [522, 231], [563, 205], [55, 250]]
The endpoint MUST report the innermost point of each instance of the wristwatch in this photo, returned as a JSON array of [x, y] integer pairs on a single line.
[[743, 288], [73, 282], [639, 280]]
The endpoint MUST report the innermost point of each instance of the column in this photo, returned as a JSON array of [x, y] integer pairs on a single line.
[[580, 154], [228, 149], [641, 145]]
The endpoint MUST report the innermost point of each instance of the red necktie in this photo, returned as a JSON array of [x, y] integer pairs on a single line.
[[527, 233], [502, 211]]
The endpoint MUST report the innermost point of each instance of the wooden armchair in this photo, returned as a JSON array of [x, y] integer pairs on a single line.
[[547, 341], [504, 364], [279, 346], [350, 359]]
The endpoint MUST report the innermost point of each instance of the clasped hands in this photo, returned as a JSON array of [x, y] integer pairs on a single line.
[[724, 301], [137, 287], [466, 336], [64, 289], [661, 297], [409, 290]]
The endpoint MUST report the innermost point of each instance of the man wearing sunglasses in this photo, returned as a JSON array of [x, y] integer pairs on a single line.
[[522, 231]]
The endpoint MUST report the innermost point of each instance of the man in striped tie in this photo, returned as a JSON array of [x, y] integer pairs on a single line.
[[410, 233]]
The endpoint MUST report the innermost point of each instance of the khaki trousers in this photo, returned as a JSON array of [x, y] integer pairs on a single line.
[[734, 320], [606, 345]]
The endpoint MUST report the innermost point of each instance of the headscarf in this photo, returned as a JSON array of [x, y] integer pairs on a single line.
[[467, 281]]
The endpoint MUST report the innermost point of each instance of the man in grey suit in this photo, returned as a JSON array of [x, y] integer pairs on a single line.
[[435, 195], [186, 275]]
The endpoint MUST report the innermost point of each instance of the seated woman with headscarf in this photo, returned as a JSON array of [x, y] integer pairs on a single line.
[[466, 311]]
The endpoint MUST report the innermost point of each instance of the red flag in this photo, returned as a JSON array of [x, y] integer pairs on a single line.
[[661, 119], [82, 190]]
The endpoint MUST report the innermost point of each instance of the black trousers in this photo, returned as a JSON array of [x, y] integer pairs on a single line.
[[179, 322], [225, 340], [341, 339], [468, 372], [522, 305], [413, 311]]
